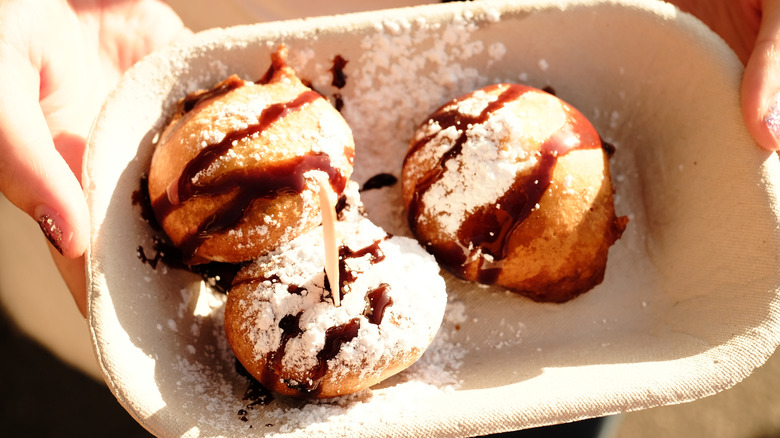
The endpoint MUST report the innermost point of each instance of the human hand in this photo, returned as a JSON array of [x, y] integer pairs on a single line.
[[58, 61], [752, 30]]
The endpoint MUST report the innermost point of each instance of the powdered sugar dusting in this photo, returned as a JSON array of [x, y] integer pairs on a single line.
[[494, 152], [408, 324], [433, 374], [383, 112], [391, 94]]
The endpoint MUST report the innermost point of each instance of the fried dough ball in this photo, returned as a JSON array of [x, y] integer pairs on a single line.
[[284, 327], [231, 177], [509, 185]]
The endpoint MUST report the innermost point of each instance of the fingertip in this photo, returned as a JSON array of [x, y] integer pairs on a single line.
[[761, 81], [39, 182], [51, 195], [771, 123], [66, 235], [761, 98]]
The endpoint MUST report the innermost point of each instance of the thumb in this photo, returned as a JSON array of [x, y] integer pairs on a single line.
[[33, 175], [761, 81]]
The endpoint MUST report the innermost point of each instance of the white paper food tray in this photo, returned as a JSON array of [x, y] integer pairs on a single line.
[[689, 305]]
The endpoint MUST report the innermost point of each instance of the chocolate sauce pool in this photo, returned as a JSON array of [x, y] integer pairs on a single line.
[[379, 181], [337, 71], [489, 228]]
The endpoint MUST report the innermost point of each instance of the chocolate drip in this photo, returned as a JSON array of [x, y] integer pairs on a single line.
[[339, 77], [278, 62], [329, 289], [341, 204], [217, 275], [192, 100], [255, 395], [379, 181], [290, 329], [609, 148], [246, 185], [141, 199], [347, 276], [489, 228], [295, 290], [335, 338], [339, 81], [338, 101], [151, 261], [291, 288], [184, 186], [378, 300]]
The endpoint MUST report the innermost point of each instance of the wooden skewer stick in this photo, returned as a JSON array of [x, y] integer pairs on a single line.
[[328, 209]]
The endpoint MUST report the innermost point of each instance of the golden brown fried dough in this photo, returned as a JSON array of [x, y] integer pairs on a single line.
[[510, 185], [232, 175], [283, 325]]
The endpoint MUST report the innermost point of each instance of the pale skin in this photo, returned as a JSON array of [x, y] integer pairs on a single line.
[[59, 59], [752, 29]]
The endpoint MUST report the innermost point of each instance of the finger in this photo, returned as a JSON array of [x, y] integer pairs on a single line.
[[74, 274], [761, 81], [33, 175]]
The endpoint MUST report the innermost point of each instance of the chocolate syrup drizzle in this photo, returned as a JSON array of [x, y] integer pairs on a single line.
[[347, 276], [192, 100], [284, 177], [290, 329], [377, 301], [335, 338], [218, 275], [246, 185], [379, 181], [489, 228], [255, 395]]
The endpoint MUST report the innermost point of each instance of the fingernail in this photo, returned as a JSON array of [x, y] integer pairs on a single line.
[[52, 226], [772, 118]]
